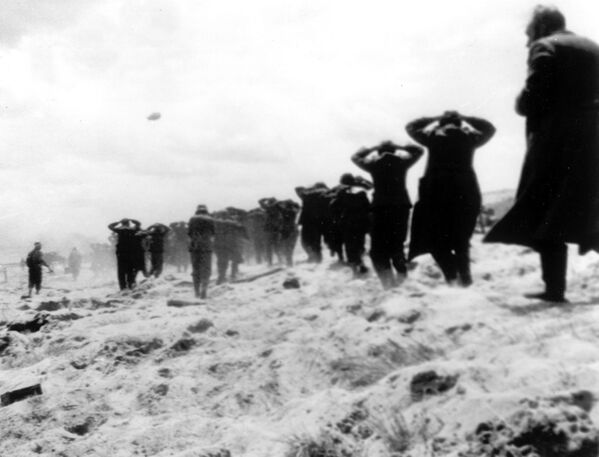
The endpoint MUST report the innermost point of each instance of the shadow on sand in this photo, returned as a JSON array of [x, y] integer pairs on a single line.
[[539, 306]]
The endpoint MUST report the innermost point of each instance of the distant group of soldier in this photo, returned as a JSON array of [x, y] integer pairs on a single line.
[[557, 201], [341, 217]]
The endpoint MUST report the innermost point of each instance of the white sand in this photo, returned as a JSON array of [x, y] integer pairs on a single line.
[[279, 365]]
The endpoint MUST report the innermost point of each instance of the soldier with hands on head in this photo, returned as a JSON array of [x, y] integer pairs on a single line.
[[201, 230], [156, 236], [449, 197], [352, 207], [129, 251], [313, 219], [388, 164]]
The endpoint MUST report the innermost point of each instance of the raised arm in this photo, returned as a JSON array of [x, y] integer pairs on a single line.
[[414, 152], [113, 226], [484, 130], [359, 158], [363, 182], [416, 129], [300, 191]]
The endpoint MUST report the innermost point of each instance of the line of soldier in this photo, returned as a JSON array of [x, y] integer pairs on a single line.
[[443, 220], [271, 228], [264, 232]]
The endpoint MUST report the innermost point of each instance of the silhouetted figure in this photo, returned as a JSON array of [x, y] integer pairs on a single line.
[[178, 245], [557, 201], [352, 206], [156, 235], [390, 206], [201, 230], [449, 198], [280, 227], [287, 231], [35, 261], [129, 252], [334, 229], [228, 245], [313, 219], [254, 225], [74, 262]]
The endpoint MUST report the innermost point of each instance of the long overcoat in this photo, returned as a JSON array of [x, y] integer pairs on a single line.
[[558, 195]]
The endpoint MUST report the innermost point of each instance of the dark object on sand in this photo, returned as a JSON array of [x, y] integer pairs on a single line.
[[182, 303], [291, 283], [20, 394], [34, 325], [259, 275], [430, 383]]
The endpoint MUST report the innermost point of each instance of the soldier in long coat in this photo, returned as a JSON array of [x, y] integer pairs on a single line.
[[557, 200]]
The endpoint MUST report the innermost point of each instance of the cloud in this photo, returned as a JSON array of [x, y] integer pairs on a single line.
[[21, 18], [256, 97]]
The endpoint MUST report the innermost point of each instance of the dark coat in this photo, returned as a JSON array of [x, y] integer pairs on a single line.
[[558, 195], [449, 198]]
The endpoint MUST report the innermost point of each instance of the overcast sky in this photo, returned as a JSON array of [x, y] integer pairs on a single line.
[[256, 97]]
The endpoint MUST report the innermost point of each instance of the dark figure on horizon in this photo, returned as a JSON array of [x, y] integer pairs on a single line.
[[129, 251], [228, 244], [254, 224], [333, 236], [35, 261], [352, 206], [178, 245], [390, 206], [557, 200], [156, 236], [74, 262], [281, 228], [313, 219], [201, 231], [449, 198]]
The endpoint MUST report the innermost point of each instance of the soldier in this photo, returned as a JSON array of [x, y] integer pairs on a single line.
[[280, 227], [353, 207], [254, 225], [74, 262], [449, 198], [390, 206], [201, 231], [313, 219], [35, 261], [156, 232], [129, 252], [228, 239], [557, 201], [334, 231], [179, 245], [287, 230], [271, 224]]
